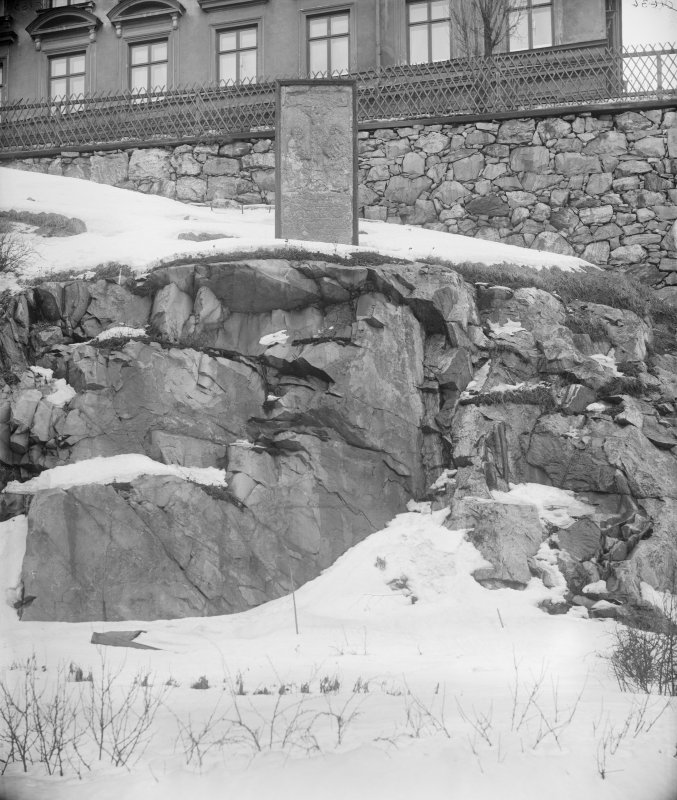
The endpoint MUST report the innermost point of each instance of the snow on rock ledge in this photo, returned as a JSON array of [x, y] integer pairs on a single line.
[[113, 469]]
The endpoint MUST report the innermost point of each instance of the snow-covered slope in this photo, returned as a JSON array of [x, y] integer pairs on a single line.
[[471, 693], [141, 231]]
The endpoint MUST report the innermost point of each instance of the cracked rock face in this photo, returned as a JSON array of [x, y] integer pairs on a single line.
[[330, 395], [319, 431], [166, 548]]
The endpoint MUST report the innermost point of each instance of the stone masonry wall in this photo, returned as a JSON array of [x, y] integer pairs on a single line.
[[599, 186], [241, 172]]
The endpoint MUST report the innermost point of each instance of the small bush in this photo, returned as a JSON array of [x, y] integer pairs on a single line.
[[539, 394], [328, 685], [77, 675], [116, 343], [200, 683], [380, 563], [119, 723], [646, 660], [15, 252]]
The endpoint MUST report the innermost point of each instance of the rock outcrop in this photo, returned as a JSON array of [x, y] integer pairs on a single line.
[[330, 394]]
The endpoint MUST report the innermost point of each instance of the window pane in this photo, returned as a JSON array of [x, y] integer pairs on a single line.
[[340, 55], [139, 54], [77, 63], [247, 65], [339, 24], [227, 41], [58, 88], [317, 26], [441, 44], [418, 12], [228, 67], [439, 9], [77, 85], [519, 31], [158, 51], [139, 77], [58, 66], [248, 37], [418, 44], [318, 56], [158, 76], [542, 26]]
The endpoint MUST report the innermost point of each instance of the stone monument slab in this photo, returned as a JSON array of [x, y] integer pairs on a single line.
[[316, 175]]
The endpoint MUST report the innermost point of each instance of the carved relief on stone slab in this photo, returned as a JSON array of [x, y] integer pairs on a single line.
[[316, 196]]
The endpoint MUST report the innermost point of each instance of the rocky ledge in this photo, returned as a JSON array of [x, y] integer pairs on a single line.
[[331, 394]]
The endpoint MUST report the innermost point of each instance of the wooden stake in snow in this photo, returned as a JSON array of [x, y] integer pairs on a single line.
[[500, 618], [293, 597]]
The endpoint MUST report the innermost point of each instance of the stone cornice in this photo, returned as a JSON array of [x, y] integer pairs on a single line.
[[215, 5], [65, 19], [130, 11]]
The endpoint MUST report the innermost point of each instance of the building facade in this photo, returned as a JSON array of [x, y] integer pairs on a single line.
[[61, 48]]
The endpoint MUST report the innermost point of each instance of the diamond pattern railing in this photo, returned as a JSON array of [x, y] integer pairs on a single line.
[[177, 114], [508, 82]]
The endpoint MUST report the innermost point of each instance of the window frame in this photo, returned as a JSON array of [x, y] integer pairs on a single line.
[[328, 14], [69, 96], [149, 42], [527, 9], [237, 29], [427, 23]]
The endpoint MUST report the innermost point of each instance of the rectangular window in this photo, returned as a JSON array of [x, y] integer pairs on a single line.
[[238, 55], [59, 3], [329, 44], [531, 24], [67, 76], [429, 26], [148, 67]]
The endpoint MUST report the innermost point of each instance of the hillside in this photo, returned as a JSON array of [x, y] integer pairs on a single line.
[[192, 429]]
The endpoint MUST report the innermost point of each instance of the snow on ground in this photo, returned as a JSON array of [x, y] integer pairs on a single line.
[[13, 534], [471, 693], [113, 469], [141, 231]]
